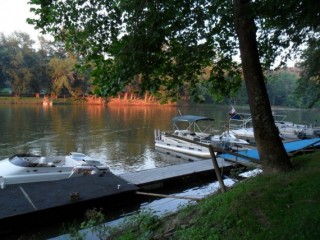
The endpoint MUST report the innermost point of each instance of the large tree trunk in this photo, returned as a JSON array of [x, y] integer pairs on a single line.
[[272, 153]]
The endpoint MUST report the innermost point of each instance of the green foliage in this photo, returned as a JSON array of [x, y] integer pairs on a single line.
[[234, 172], [93, 222], [52, 70], [168, 43], [162, 39], [16, 60], [27, 70], [286, 26], [266, 207], [281, 86], [65, 75], [140, 226], [222, 83], [309, 83]]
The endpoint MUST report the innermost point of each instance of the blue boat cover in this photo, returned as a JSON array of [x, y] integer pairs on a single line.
[[289, 146]]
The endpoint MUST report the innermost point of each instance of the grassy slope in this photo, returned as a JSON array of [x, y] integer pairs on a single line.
[[282, 206]]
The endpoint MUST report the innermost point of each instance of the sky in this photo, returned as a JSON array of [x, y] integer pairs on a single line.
[[13, 15]]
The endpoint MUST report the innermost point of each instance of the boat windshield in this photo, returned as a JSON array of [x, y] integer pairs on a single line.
[[24, 160], [77, 155]]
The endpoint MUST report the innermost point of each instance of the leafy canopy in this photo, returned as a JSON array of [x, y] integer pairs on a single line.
[[168, 43]]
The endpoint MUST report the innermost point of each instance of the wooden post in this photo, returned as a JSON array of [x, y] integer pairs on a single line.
[[213, 158], [169, 196], [216, 168]]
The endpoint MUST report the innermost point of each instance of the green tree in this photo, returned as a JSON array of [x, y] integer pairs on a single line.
[[18, 60], [4, 61], [309, 83], [65, 76], [41, 80], [281, 87], [169, 43], [270, 147]]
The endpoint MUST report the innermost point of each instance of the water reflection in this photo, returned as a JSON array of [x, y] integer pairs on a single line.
[[122, 136]]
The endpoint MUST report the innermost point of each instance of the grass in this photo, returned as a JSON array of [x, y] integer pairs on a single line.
[[280, 206]]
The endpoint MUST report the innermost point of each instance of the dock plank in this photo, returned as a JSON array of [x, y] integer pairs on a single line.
[[173, 171]]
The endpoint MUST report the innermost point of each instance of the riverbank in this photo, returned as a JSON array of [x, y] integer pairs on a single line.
[[281, 206], [34, 100], [91, 100]]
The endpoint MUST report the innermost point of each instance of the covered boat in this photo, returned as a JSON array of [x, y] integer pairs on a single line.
[[26, 168], [199, 130], [241, 127]]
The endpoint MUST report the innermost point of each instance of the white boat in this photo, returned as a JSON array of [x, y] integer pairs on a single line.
[[291, 130], [198, 129], [241, 126], [26, 168]]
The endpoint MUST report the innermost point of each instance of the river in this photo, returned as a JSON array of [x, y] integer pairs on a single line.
[[122, 136]]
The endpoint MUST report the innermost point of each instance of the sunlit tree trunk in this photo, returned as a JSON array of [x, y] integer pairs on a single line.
[[272, 153]]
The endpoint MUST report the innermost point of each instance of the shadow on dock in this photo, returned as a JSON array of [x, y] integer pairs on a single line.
[[24, 206]]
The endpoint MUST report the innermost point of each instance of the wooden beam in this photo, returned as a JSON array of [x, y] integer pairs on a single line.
[[169, 196]]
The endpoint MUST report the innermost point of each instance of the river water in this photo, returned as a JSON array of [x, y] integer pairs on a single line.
[[122, 136]]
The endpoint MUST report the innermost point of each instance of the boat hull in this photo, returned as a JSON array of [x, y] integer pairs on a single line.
[[193, 150], [26, 168]]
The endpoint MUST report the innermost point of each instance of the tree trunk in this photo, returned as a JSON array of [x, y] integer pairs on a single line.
[[270, 147]]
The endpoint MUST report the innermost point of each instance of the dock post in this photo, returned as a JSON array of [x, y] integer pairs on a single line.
[[216, 169], [156, 134]]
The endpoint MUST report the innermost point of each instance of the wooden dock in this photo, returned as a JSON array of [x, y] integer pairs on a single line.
[[42, 201], [154, 178], [54, 200]]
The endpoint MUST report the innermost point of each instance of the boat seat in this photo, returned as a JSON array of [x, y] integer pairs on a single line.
[[51, 164], [57, 161], [42, 160]]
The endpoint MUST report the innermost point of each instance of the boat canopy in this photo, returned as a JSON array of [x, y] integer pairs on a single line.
[[190, 118]]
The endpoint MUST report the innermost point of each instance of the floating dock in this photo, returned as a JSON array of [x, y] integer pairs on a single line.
[[42, 201], [157, 177]]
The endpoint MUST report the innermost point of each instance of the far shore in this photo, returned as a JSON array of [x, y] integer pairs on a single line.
[[80, 101]]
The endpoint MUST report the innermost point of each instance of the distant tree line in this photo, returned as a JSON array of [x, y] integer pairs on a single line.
[[282, 88], [49, 69]]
